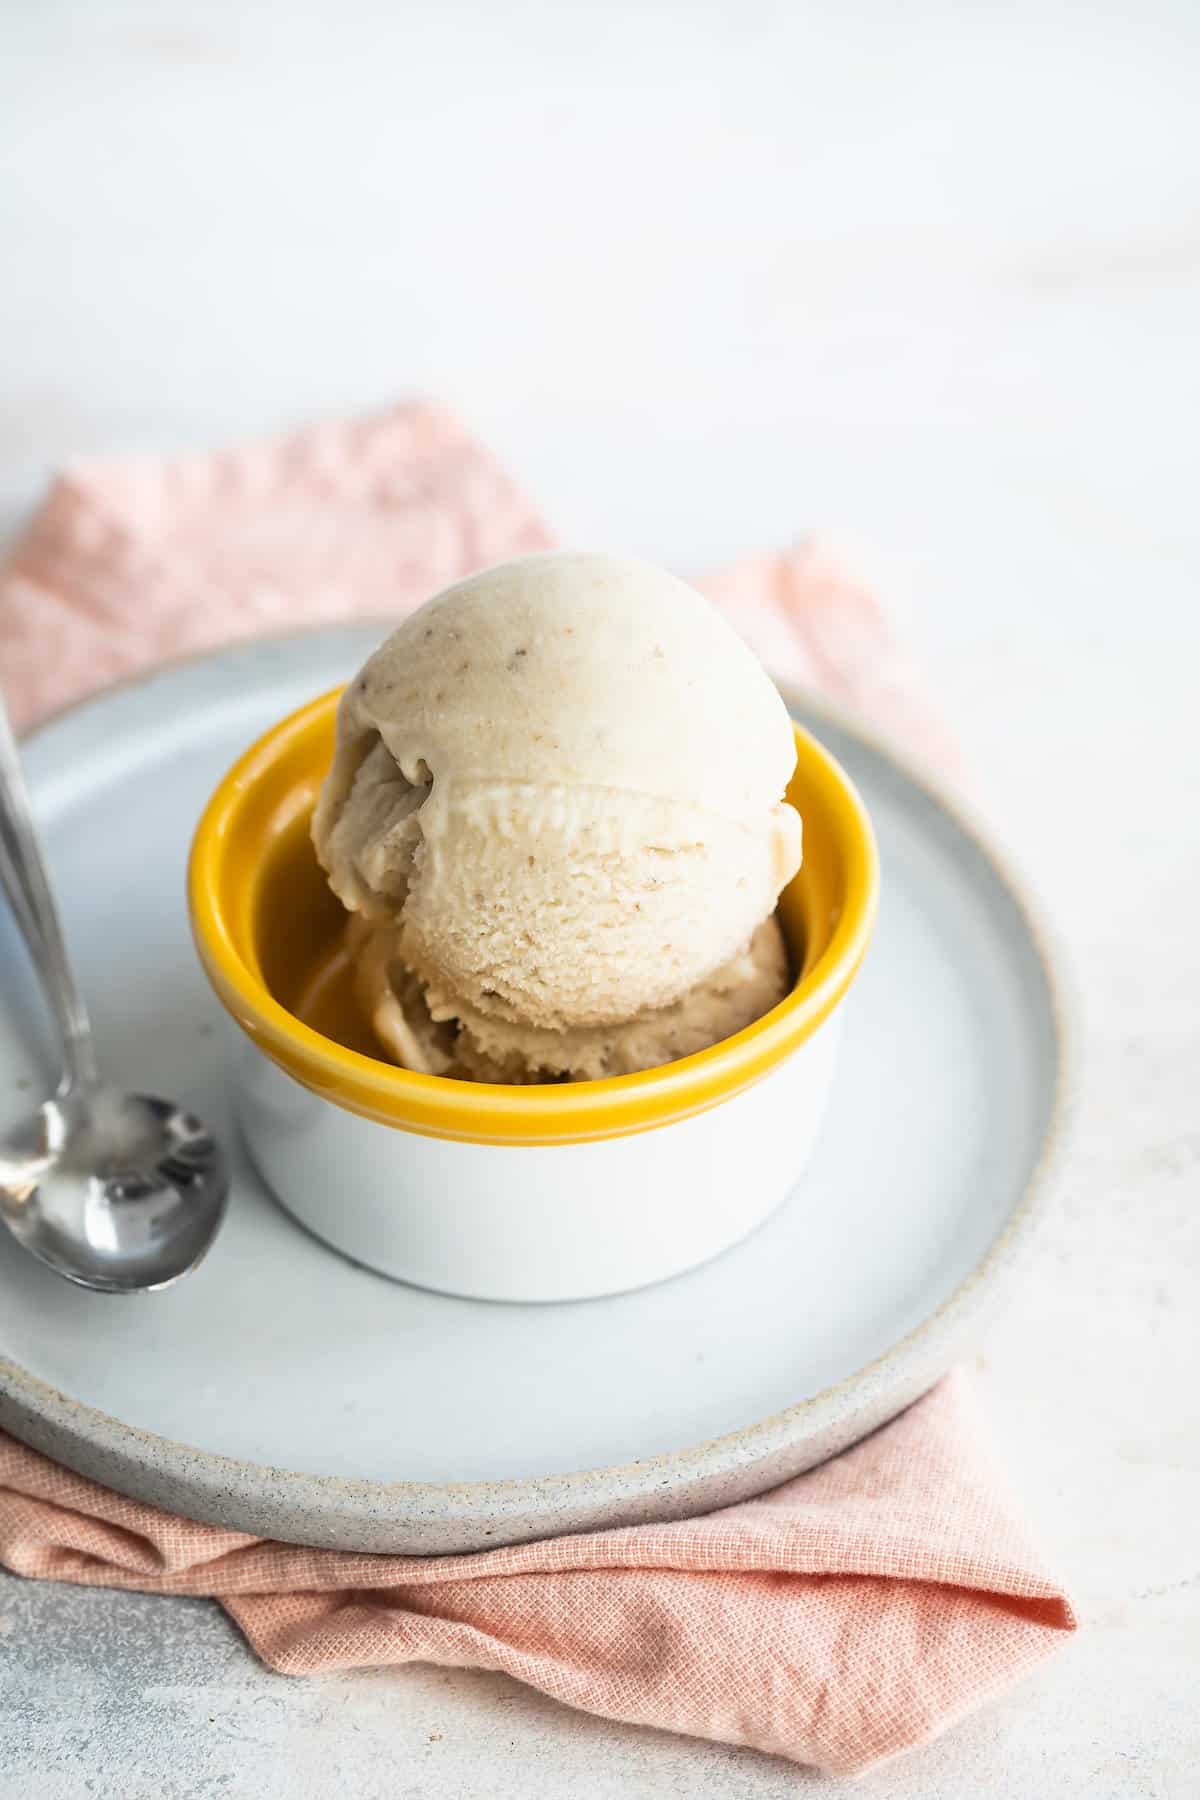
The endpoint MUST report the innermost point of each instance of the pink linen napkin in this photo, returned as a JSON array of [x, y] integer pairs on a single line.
[[130, 562], [842, 1618]]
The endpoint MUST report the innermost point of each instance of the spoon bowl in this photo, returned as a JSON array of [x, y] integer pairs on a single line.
[[117, 1192]]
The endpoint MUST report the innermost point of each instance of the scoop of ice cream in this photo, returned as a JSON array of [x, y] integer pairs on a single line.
[[434, 1034], [562, 781]]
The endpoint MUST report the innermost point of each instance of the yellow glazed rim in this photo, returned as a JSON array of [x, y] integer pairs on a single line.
[[277, 778]]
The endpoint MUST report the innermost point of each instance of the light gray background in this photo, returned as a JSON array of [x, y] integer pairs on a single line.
[[927, 276]]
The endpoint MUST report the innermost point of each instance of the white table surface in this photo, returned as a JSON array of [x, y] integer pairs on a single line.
[[706, 274]]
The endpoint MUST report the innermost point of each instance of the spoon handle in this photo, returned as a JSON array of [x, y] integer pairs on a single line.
[[24, 879]]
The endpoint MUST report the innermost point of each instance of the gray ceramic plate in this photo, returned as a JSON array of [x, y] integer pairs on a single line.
[[284, 1391]]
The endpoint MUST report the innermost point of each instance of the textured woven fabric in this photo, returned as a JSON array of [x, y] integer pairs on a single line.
[[840, 1619], [131, 562]]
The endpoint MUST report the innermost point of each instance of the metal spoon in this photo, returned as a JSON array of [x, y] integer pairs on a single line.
[[119, 1192]]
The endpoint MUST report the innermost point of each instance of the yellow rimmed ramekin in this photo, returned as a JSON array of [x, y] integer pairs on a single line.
[[508, 1193]]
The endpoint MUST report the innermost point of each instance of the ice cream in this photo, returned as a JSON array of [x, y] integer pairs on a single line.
[[438, 1035], [556, 810]]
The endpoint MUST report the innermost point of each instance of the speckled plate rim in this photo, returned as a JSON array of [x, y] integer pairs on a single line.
[[372, 1515]]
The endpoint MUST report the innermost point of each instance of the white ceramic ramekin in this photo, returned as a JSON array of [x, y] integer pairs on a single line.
[[510, 1193]]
